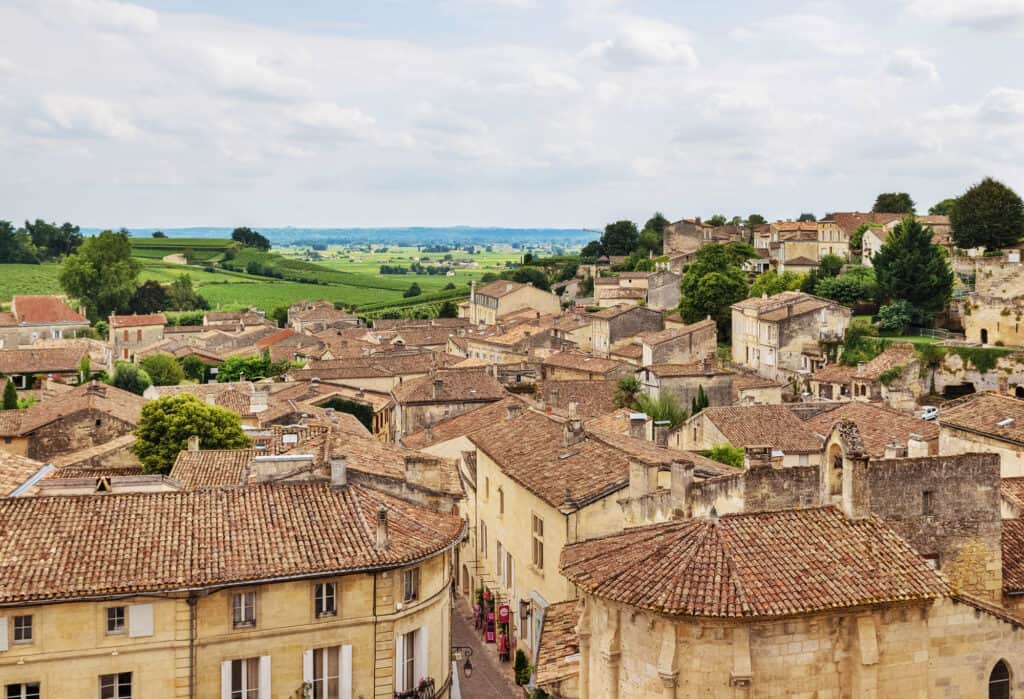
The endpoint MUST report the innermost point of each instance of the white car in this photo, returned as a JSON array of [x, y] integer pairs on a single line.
[[929, 412]]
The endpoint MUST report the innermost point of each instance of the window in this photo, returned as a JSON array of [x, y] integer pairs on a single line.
[[804, 460], [23, 629], [411, 584], [115, 620], [326, 673], [25, 690], [126, 336], [245, 678], [138, 335], [325, 599], [508, 571], [483, 539], [999, 682], [409, 660], [498, 559], [487, 488], [243, 606], [117, 686], [538, 542], [927, 502], [501, 501]]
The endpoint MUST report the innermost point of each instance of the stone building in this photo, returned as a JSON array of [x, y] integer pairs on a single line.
[[751, 425], [621, 323], [28, 366], [663, 290], [832, 239], [771, 335], [892, 377], [491, 302], [684, 381], [992, 313], [441, 394], [576, 366], [131, 333], [685, 345], [884, 431], [34, 318], [988, 423]]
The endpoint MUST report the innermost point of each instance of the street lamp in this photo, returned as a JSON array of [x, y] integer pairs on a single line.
[[464, 652]]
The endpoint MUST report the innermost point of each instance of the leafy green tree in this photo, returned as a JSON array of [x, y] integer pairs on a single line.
[[280, 316], [102, 273], [717, 220], [149, 297], [910, 267], [756, 220], [727, 454], [943, 208], [893, 203], [858, 284], [182, 295], [253, 368], [84, 369], [159, 234], [657, 223], [857, 239], [896, 316], [650, 241], [989, 215], [448, 310], [663, 408], [626, 392], [53, 241], [532, 275], [16, 246], [619, 238], [163, 370], [806, 217], [130, 378], [830, 265], [591, 251], [250, 238], [167, 423], [10, 396], [712, 283], [193, 368], [771, 283], [413, 290]]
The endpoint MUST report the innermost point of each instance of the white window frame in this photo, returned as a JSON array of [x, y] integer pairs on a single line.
[[23, 688], [309, 672], [15, 630], [537, 539], [114, 679], [243, 609], [411, 584], [117, 630], [227, 690], [325, 599]]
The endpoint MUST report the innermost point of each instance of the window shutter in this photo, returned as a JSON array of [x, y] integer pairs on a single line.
[[3, 633], [264, 677], [140, 620], [421, 666], [345, 663], [399, 662], [225, 680], [307, 666]]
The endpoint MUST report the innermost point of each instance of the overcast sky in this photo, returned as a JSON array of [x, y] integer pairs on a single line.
[[498, 112]]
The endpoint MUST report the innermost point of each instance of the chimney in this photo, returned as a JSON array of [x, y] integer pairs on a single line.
[[856, 492], [512, 411], [637, 425], [757, 457], [572, 430], [860, 368], [339, 471], [428, 434], [438, 387], [916, 446], [681, 481], [895, 450], [643, 479], [661, 428], [193, 443], [241, 376], [382, 528]]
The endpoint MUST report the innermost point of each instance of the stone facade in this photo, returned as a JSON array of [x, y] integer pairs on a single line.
[[686, 345], [126, 341], [74, 432], [663, 290], [612, 327]]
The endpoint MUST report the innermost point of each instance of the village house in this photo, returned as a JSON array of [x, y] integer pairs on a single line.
[[892, 377], [774, 426], [131, 333], [510, 343], [576, 366], [988, 423], [624, 288], [320, 316], [621, 323], [441, 394], [378, 372], [885, 432], [34, 318], [26, 367], [575, 330], [684, 381], [663, 290], [832, 239], [492, 302], [752, 389], [680, 345], [771, 335], [365, 612], [236, 321], [992, 313]]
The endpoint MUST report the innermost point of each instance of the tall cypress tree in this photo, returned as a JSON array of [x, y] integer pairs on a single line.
[[10, 396]]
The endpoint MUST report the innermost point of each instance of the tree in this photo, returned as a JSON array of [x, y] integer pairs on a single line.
[[830, 265], [756, 220], [167, 423], [771, 283], [150, 297], [280, 316], [727, 454], [717, 220], [193, 368], [893, 203], [183, 297], [53, 241], [989, 215], [712, 283], [857, 239], [626, 392], [253, 368], [532, 275], [657, 223], [102, 273], [84, 369], [806, 217], [250, 238], [943, 208], [699, 401], [856, 285], [448, 310], [896, 316], [619, 238], [591, 251], [910, 267], [159, 234], [10, 396], [650, 241], [16, 246], [163, 370], [413, 290], [664, 408], [130, 378]]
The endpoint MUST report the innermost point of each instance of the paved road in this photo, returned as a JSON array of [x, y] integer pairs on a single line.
[[488, 680]]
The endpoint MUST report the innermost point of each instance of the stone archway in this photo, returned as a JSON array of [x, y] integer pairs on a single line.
[[834, 464]]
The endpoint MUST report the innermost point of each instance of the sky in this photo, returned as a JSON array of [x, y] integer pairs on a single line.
[[531, 113]]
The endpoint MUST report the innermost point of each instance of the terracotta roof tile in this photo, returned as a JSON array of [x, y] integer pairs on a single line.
[[990, 414], [456, 385], [45, 309], [770, 425], [499, 288], [137, 320], [585, 362], [211, 468], [116, 403], [558, 652], [463, 424], [1012, 489], [15, 470], [120, 544], [592, 398], [41, 361], [1013, 555], [763, 564], [878, 425]]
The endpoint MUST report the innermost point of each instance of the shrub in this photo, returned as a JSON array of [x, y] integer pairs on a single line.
[[727, 454], [521, 668], [131, 378]]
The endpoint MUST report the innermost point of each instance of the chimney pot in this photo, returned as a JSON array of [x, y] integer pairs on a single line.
[[382, 528], [193, 443], [637, 425], [339, 472]]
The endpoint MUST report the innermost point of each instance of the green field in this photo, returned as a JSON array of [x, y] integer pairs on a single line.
[[342, 275]]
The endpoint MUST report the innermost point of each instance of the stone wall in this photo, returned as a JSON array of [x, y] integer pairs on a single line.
[[79, 430], [686, 348], [717, 387], [663, 290], [634, 322]]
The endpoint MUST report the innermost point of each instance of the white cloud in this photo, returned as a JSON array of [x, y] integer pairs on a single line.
[[1003, 104], [973, 14], [641, 42], [105, 15], [326, 115], [83, 117], [909, 65]]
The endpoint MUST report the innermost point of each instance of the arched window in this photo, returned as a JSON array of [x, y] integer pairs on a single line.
[[999, 682]]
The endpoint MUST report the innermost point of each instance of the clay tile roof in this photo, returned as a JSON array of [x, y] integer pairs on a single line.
[[762, 564], [390, 461], [634, 350], [122, 544], [878, 425], [746, 382], [41, 361], [990, 414], [584, 362], [15, 470], [770, 425], [897, 356], [784, 304], [136, 320], [45, 309], [275, 338], [592, 398], [210, 468], [499, 288], [1013, 555], [835, 373], [10, 422], [456, 385], [614, 311], [122, 405], [558, 652], [801, 261], [463, 424], [83, 459], [654, 338], [1012, 489]]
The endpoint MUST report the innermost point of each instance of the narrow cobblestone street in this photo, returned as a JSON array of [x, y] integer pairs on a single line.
[[491, 679]]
